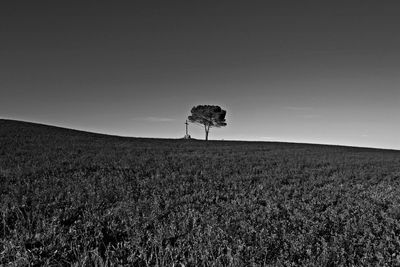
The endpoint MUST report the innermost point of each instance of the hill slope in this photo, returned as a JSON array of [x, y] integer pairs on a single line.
[[69, 196]]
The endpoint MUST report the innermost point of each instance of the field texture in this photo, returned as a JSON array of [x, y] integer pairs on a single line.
[[75, 198]]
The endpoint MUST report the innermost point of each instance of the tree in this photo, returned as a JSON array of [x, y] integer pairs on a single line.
[[208, 116]]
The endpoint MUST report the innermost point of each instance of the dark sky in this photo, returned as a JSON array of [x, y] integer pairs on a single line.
[[301, 71]]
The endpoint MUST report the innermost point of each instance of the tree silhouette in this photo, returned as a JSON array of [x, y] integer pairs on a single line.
[[208, 116]]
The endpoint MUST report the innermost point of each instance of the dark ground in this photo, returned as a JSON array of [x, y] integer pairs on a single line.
[[76, 198]]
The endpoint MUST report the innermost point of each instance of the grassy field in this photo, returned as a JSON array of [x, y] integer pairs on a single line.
[[76, 198]]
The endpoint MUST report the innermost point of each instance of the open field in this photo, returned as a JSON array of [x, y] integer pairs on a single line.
[[70, 197]]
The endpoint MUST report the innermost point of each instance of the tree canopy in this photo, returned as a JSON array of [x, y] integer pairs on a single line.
[[208, 116]]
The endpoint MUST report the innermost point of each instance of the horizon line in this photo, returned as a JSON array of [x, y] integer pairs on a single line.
[[197, 139]]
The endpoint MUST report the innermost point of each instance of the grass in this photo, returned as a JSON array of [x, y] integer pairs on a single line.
[[83, 199]]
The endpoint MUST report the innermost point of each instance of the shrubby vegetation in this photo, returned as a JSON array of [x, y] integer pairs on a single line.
[[74, 198]]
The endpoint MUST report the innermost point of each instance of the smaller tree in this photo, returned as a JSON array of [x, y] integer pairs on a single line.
[[208, 116]]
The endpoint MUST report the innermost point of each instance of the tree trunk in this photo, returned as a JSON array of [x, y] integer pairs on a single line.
[[207, 129]]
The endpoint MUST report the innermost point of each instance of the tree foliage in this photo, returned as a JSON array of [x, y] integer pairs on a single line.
[[208, 116]]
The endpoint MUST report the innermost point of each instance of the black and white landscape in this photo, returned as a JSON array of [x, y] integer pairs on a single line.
[[199, 133]]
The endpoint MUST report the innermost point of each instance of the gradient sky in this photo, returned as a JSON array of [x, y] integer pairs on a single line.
[[300, 71]]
